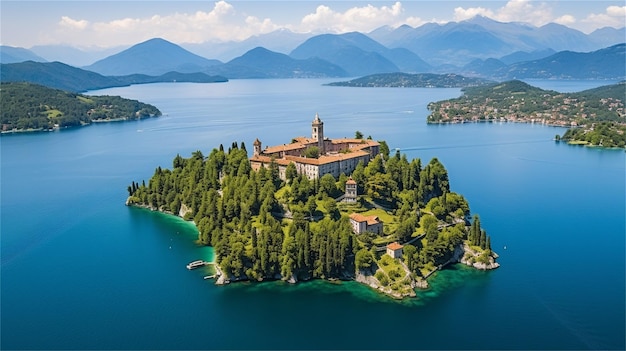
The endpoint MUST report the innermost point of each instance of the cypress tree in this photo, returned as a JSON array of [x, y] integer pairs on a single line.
[[482, 242]]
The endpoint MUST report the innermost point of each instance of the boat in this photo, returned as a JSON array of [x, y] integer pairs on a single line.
[[196, 264]]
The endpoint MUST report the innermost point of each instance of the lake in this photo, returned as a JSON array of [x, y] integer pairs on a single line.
[[82, 271]]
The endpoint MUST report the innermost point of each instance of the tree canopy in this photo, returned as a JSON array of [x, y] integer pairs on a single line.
[[31, 106]]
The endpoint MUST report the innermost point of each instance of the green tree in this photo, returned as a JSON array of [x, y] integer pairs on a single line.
[[363, 259], [311, 205], [312, 152], [409, 253], [328, 186], [291, 172]]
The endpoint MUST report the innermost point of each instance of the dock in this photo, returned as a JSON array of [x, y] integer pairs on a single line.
[[196, 264]]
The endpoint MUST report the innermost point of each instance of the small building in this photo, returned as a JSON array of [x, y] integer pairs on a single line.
[[394, 250], [351, 193], [361, 224]]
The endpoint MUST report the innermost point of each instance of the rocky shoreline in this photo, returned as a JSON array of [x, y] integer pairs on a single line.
[[462, 254]]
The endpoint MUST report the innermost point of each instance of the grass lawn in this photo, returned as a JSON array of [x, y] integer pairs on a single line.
[[388, 264], [53, 113]]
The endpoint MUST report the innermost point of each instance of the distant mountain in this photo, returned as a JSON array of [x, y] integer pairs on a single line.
[[74, 56], [353, 53], [10, 54], [55, 75], [521, 56], [360, 55], [282, 41], [608, 36], [483, 68], [61, 76], [459, 43], [153, 57], [613, 91], [420, 80], [606, 63], [263, 63]]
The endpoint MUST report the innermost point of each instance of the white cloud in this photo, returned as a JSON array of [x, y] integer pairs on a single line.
[[461, 14], [514, 11], [414, 21], [221, 23], [614, 16], [68, 22], [364, 19], [566, 20], [616, 11]]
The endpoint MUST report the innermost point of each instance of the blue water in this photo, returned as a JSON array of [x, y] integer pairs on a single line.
[[82, 271]]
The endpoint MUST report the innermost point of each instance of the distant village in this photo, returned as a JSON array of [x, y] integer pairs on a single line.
[[549, 108]]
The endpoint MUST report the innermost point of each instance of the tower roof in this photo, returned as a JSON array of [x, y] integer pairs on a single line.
[[256, 142], [317, 119]]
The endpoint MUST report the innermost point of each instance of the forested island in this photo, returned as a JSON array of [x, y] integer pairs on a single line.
[[263, 227], [596, 116], [604, 134], [417, 80], [32, 107]]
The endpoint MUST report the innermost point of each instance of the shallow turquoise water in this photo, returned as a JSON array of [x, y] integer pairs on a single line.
[[82, 271]]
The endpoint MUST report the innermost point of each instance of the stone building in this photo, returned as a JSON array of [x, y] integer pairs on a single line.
[[336, 156], [351, 192], [394, 250], [361, 224]]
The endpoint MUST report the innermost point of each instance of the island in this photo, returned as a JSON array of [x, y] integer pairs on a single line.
[[416, 80], [33, 107], [596, 116], [602, 134], [321, 208]]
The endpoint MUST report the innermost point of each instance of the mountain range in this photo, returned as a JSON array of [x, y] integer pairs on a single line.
[[479, 47], [68, 78], [153, 57]]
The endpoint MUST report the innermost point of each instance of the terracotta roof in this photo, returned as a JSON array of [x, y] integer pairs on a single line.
[[350, 181], [371, 220], [356, 142], [324, 159], [285, 147], [268, 160], [394, 246]]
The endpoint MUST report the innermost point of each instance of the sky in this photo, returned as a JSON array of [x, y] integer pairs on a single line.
[[105, 24]]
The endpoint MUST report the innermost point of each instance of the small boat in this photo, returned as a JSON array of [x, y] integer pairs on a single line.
[[196, 264]]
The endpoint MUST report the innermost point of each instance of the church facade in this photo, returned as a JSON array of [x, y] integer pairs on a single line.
[[336, 156]]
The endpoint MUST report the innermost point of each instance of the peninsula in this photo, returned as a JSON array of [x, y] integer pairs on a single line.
[[321, 208], [600, 109], [32, 107], [417, 80]]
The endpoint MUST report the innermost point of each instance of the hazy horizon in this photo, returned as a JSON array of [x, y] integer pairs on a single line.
[[110, 24]]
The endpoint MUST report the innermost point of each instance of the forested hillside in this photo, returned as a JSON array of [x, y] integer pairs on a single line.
[[28, 106], [520, 102], [408, 80]]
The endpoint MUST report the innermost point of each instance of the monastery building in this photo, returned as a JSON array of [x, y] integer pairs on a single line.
[[336, 156]]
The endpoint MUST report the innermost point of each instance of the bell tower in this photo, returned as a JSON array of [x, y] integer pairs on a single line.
[[318, 132], [257, 147]]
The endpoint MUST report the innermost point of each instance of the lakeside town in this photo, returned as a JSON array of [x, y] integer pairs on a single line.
[[516, 101]]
